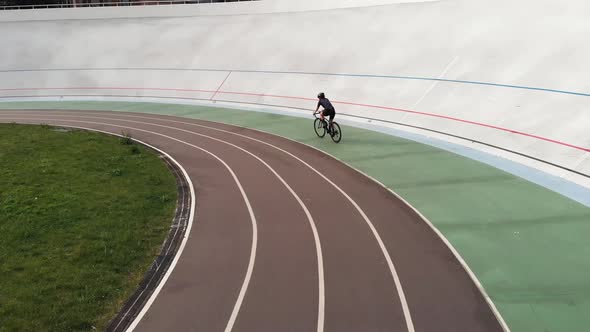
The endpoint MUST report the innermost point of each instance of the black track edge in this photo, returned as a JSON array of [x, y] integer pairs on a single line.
[[159, 267]]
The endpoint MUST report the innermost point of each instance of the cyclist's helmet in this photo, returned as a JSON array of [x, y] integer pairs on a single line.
[[321, 95]]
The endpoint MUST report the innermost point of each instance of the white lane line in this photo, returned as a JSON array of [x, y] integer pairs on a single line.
[[393, 271], [466, 267], [185, 237], [454, 251], [246, 200], [320, 261], [396, 279], [167, 249]]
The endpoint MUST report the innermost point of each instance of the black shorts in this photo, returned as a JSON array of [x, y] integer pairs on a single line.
[[329, 112]]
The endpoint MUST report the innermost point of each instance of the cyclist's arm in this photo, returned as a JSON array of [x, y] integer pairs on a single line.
[[317, 108]]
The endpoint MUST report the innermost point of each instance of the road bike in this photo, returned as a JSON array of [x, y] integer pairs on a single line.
[[321, 128]]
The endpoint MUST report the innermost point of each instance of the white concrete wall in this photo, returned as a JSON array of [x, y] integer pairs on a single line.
[[532, 43]]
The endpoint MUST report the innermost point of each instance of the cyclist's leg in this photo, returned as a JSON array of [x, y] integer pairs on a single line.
[[332, 116]]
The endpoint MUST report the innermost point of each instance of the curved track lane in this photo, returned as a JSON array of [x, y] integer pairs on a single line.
[[286, 238]]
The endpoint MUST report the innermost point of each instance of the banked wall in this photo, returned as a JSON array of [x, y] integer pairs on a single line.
[[508, 74]]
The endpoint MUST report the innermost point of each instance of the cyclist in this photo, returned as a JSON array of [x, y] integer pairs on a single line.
[[328, 110]]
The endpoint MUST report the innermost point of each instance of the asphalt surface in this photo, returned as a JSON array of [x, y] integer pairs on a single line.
[[276, 246]]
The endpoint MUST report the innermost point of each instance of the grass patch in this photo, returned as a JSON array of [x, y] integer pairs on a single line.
[[126, 138], [82, 216]]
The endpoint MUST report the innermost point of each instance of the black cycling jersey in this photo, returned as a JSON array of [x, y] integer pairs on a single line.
[[325, 103]]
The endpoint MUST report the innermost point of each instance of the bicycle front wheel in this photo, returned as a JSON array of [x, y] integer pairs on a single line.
[[318, 126], [336, 132]]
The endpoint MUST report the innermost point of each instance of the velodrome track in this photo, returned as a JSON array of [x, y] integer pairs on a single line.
[[286, 238]]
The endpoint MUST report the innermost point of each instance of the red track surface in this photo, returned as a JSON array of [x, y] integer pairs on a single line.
[[290, 201]]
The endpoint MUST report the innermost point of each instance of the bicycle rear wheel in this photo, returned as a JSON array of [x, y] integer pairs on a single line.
[[318, 126], [336, 132]]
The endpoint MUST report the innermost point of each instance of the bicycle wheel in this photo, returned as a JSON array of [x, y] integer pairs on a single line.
[[336, 132], [319, 128]]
